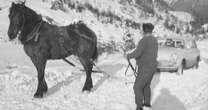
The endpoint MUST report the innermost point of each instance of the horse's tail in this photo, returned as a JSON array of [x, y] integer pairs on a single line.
[[95, 54]]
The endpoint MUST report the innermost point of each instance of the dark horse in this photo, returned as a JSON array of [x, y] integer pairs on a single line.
[[43, 41]]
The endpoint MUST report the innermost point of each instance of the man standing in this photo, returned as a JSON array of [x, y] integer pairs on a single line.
[[146, 58]]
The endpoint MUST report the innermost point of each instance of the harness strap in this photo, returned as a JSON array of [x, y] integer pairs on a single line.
[[82, 35], [34, 34], [69, 62], [95, 71]]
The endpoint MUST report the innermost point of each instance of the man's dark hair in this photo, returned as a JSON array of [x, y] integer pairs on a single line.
[[147, 27]]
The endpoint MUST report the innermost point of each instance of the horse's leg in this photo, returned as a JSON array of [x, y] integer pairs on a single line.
[[40, 64], [88, 68]]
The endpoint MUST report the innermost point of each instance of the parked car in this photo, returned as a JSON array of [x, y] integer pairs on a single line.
[[176, 54]]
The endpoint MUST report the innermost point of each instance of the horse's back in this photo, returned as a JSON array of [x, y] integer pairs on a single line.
[[51, 37], [87, 40], [83, 29], [62, 41]]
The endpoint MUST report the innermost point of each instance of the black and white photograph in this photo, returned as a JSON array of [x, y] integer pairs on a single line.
[[103, 54]]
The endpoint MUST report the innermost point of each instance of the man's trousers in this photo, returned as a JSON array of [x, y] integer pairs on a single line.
[[141, 87]]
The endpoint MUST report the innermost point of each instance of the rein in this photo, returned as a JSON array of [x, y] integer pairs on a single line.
[[130, 65]]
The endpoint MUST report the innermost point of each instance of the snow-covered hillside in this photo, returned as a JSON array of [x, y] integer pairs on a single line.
[[127, 17]]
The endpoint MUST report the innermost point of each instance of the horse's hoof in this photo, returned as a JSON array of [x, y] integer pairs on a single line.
[[88, 89], [38, 95], [45, 89], [84, 90]]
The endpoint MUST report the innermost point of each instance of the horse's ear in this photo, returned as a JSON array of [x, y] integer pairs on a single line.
[[13, 3], [24, 2]]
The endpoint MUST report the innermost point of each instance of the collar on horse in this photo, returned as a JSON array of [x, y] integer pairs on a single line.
[[34, 34]]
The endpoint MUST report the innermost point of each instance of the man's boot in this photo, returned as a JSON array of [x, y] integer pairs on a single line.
[[147, 105]]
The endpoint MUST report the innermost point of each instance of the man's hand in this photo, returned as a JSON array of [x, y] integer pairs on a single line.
[[128, 56]]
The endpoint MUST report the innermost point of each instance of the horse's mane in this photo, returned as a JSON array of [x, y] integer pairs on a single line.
[[74, 24], [31, 15], [78, 24]]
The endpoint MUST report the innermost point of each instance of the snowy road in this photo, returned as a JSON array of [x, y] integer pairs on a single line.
[[170, 92]]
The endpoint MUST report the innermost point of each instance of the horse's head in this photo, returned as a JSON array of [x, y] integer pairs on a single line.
[[16, 17]]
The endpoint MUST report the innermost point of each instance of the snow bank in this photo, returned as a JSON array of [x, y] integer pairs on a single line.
[[202, 45]]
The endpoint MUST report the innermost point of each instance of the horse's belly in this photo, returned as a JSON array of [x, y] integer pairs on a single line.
[[58, 52]]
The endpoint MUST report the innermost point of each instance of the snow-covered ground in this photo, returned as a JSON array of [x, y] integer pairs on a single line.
[[170, 92], [18, 77]]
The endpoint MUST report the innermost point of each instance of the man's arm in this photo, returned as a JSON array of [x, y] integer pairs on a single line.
[[139, 50]]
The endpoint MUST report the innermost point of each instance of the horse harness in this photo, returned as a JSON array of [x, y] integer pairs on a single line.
[[61, 42], [35, 33]]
